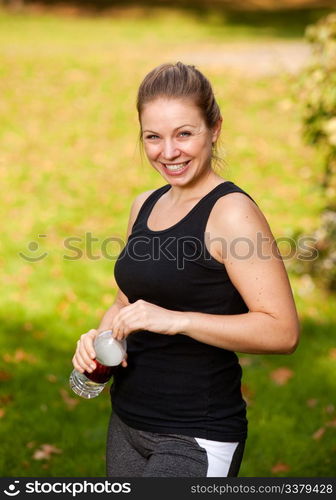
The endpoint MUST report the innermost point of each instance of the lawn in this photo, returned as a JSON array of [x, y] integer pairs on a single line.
[[70, 167]]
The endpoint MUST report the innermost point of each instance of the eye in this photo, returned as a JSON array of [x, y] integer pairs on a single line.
[[185, 133], [152, 136]]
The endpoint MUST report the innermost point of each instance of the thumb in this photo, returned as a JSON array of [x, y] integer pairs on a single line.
[[124, 361]]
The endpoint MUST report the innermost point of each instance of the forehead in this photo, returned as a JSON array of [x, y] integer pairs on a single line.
[[163, 112]]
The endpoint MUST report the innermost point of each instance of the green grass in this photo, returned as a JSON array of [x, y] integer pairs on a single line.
[[69, 165]]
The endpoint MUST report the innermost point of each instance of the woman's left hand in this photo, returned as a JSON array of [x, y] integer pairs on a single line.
[[142, 315]]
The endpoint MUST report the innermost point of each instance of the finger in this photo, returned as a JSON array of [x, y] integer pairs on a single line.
[[118, 334], [123, 326], [117, 330], [85, 361], [124, 331], [85, 353], [131, 320], [77, 362], [76, 365], [86, 344], [124, 363]]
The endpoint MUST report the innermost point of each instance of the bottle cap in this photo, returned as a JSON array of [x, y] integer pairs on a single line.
[[109, 351]]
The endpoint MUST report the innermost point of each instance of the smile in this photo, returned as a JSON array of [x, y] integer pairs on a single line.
[[176, 167]]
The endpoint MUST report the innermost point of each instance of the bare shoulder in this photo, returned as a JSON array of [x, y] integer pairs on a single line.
[[135, 208], [252, 259], [236, 213], [139, 201]]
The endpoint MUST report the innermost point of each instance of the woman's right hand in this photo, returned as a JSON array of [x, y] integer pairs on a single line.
[[85, 354]]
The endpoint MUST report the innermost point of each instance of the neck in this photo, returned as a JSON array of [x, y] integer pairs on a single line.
[[195, 189]]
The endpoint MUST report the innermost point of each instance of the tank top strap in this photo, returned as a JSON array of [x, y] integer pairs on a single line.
[[196, 219], [201, 212], [146, 208]]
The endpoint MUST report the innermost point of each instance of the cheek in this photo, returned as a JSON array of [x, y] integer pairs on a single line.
[[151, 150], [200, 147]]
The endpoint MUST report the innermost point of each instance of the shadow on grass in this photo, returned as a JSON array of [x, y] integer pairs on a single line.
[[39, 408], [293, 422]]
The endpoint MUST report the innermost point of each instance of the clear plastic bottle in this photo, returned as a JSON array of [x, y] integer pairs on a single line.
[[109, 354]]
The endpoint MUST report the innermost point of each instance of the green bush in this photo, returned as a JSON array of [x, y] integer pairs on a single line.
[[318, 93], [318, 98]]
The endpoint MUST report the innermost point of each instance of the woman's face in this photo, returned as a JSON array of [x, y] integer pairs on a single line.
[[176, 139]]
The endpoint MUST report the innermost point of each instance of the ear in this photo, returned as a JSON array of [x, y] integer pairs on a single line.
[[216, 130]]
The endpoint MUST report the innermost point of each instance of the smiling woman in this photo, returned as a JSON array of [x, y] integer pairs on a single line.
[[174, 150], [189, 296]]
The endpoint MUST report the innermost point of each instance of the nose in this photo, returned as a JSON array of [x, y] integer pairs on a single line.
[[170, 151]]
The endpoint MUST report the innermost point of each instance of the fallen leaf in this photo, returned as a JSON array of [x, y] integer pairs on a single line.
[[331, 423], [245, 361], [28, 326], [5, 399], [56, 272], [280, 467], [63, 308], [31, 444], [69, 401], [71, 296], [281, 375], [318, 434], [4, 376], [332, 353], [329, 409], [2, 412], [83, 307], [311, 403], [45, 452], [51, 378], [19, 356]]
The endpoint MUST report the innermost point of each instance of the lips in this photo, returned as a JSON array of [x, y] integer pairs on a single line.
[[176, 168]]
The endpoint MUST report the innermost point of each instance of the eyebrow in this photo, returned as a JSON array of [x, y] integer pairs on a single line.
[[181, 126]]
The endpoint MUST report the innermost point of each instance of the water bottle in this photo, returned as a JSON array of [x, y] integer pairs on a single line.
[[109, 354]]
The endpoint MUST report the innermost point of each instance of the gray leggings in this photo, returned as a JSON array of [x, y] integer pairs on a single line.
[[134, 453]]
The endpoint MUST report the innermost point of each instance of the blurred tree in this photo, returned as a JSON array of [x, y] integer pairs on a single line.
[[318, 98], [13, 4], [256, 5]]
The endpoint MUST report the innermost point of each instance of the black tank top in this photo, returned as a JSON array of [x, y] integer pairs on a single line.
[[173, 383]]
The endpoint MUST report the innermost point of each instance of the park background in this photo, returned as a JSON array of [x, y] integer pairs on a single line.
[[70, 167]]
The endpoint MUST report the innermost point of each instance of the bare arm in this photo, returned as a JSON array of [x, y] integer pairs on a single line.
[[271, 325], [119, 302]]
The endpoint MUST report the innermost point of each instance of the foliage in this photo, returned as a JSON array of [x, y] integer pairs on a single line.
[[319, 91], [318, 255], [318, 95]]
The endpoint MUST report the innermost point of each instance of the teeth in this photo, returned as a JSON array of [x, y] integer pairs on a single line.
[[175, 168]]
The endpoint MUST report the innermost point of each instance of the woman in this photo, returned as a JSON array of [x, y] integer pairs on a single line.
[[199, 278]]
